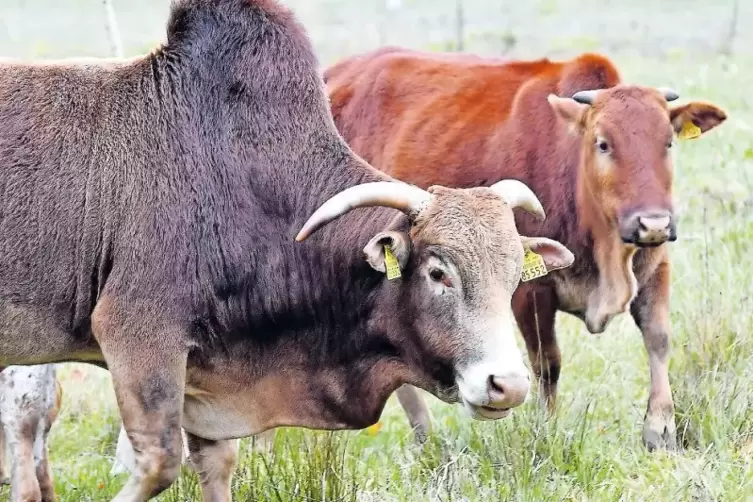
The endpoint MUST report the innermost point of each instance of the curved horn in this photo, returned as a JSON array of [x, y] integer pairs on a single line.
[[395, 194], [586, 97], [517, 194], [669, 94]]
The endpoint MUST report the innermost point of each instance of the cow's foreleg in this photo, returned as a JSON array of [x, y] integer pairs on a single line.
[[650, 310], [44, 471], [147, 361], [214, 462], [535, 310], [125, 457], [416, 411]]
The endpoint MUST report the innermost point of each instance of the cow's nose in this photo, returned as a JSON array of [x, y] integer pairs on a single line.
[[508, 391], [654, 229]]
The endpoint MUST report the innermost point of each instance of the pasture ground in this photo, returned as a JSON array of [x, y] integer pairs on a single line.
[[591, 449]]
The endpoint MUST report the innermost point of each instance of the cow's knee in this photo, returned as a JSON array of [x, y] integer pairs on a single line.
[[550, 371], [157, 469], [165, 471], [158, 455], [547, 371]]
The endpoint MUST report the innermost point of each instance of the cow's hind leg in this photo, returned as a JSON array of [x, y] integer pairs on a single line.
[[125, 458], [28, 407], [535, 310], [4, 479], [416, 411], [43, 470], [650, 310], [24, 484], [214, 462], [146, 357], [54, 396]]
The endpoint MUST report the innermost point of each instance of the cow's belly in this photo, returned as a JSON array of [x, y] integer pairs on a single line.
[[29, 335], [213, 416], [231, 404]]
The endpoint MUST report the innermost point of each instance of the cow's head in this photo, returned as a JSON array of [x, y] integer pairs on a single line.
[[460, 264], [626, 171]]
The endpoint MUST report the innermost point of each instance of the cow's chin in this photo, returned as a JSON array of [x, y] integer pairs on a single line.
[[484, 413]]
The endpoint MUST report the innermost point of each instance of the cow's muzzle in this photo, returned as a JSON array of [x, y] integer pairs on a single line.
[[502, 394], [649, 229]]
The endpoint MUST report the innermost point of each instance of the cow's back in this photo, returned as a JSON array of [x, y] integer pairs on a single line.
[[456, 120], [62, 148]]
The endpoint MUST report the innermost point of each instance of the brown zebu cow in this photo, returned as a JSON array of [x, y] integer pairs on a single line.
[[151, 220], [599, 160]]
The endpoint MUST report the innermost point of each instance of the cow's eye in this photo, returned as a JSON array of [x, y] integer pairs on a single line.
[[602, 145], [436, 274], [669, 145]]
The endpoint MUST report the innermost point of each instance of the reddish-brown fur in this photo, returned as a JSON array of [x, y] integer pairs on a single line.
[[462, 121]]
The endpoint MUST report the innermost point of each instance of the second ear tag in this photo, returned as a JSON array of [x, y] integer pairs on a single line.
[[689, 131], [533, 266]]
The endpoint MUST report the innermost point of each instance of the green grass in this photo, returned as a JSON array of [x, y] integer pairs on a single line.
[[591, 449]]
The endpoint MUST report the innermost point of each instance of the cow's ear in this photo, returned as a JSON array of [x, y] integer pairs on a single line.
[[555, 255], [569, 110], [399, 244], [691, 120]]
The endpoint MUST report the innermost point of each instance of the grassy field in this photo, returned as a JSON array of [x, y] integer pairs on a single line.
[[591, 449]]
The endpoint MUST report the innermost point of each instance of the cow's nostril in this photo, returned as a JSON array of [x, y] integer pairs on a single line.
[[508, 391], [654, 224], [496, 384]]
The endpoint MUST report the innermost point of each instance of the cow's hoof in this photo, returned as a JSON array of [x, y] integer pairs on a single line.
[[4, 481], [659, 433]]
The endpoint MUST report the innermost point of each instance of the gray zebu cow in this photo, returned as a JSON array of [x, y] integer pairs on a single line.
[[147, 224]]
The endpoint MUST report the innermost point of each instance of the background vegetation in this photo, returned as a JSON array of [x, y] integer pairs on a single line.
[[592, 449]]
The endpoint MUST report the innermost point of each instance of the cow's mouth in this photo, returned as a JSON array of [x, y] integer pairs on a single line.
[[489, 413], [484, 413]]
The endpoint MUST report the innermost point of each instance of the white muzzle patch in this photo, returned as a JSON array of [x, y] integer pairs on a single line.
[[497, 380]]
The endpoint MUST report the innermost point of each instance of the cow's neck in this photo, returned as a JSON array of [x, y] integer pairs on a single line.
[[325, 378], [325, 350], [616, 284]]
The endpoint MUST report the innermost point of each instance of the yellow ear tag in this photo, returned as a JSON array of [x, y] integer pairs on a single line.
[[373, 430], [391, 264], [533, 266], [689, 130]]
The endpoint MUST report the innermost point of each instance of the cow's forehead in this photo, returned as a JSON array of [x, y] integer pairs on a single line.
[[630, 105], [476, 225]]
